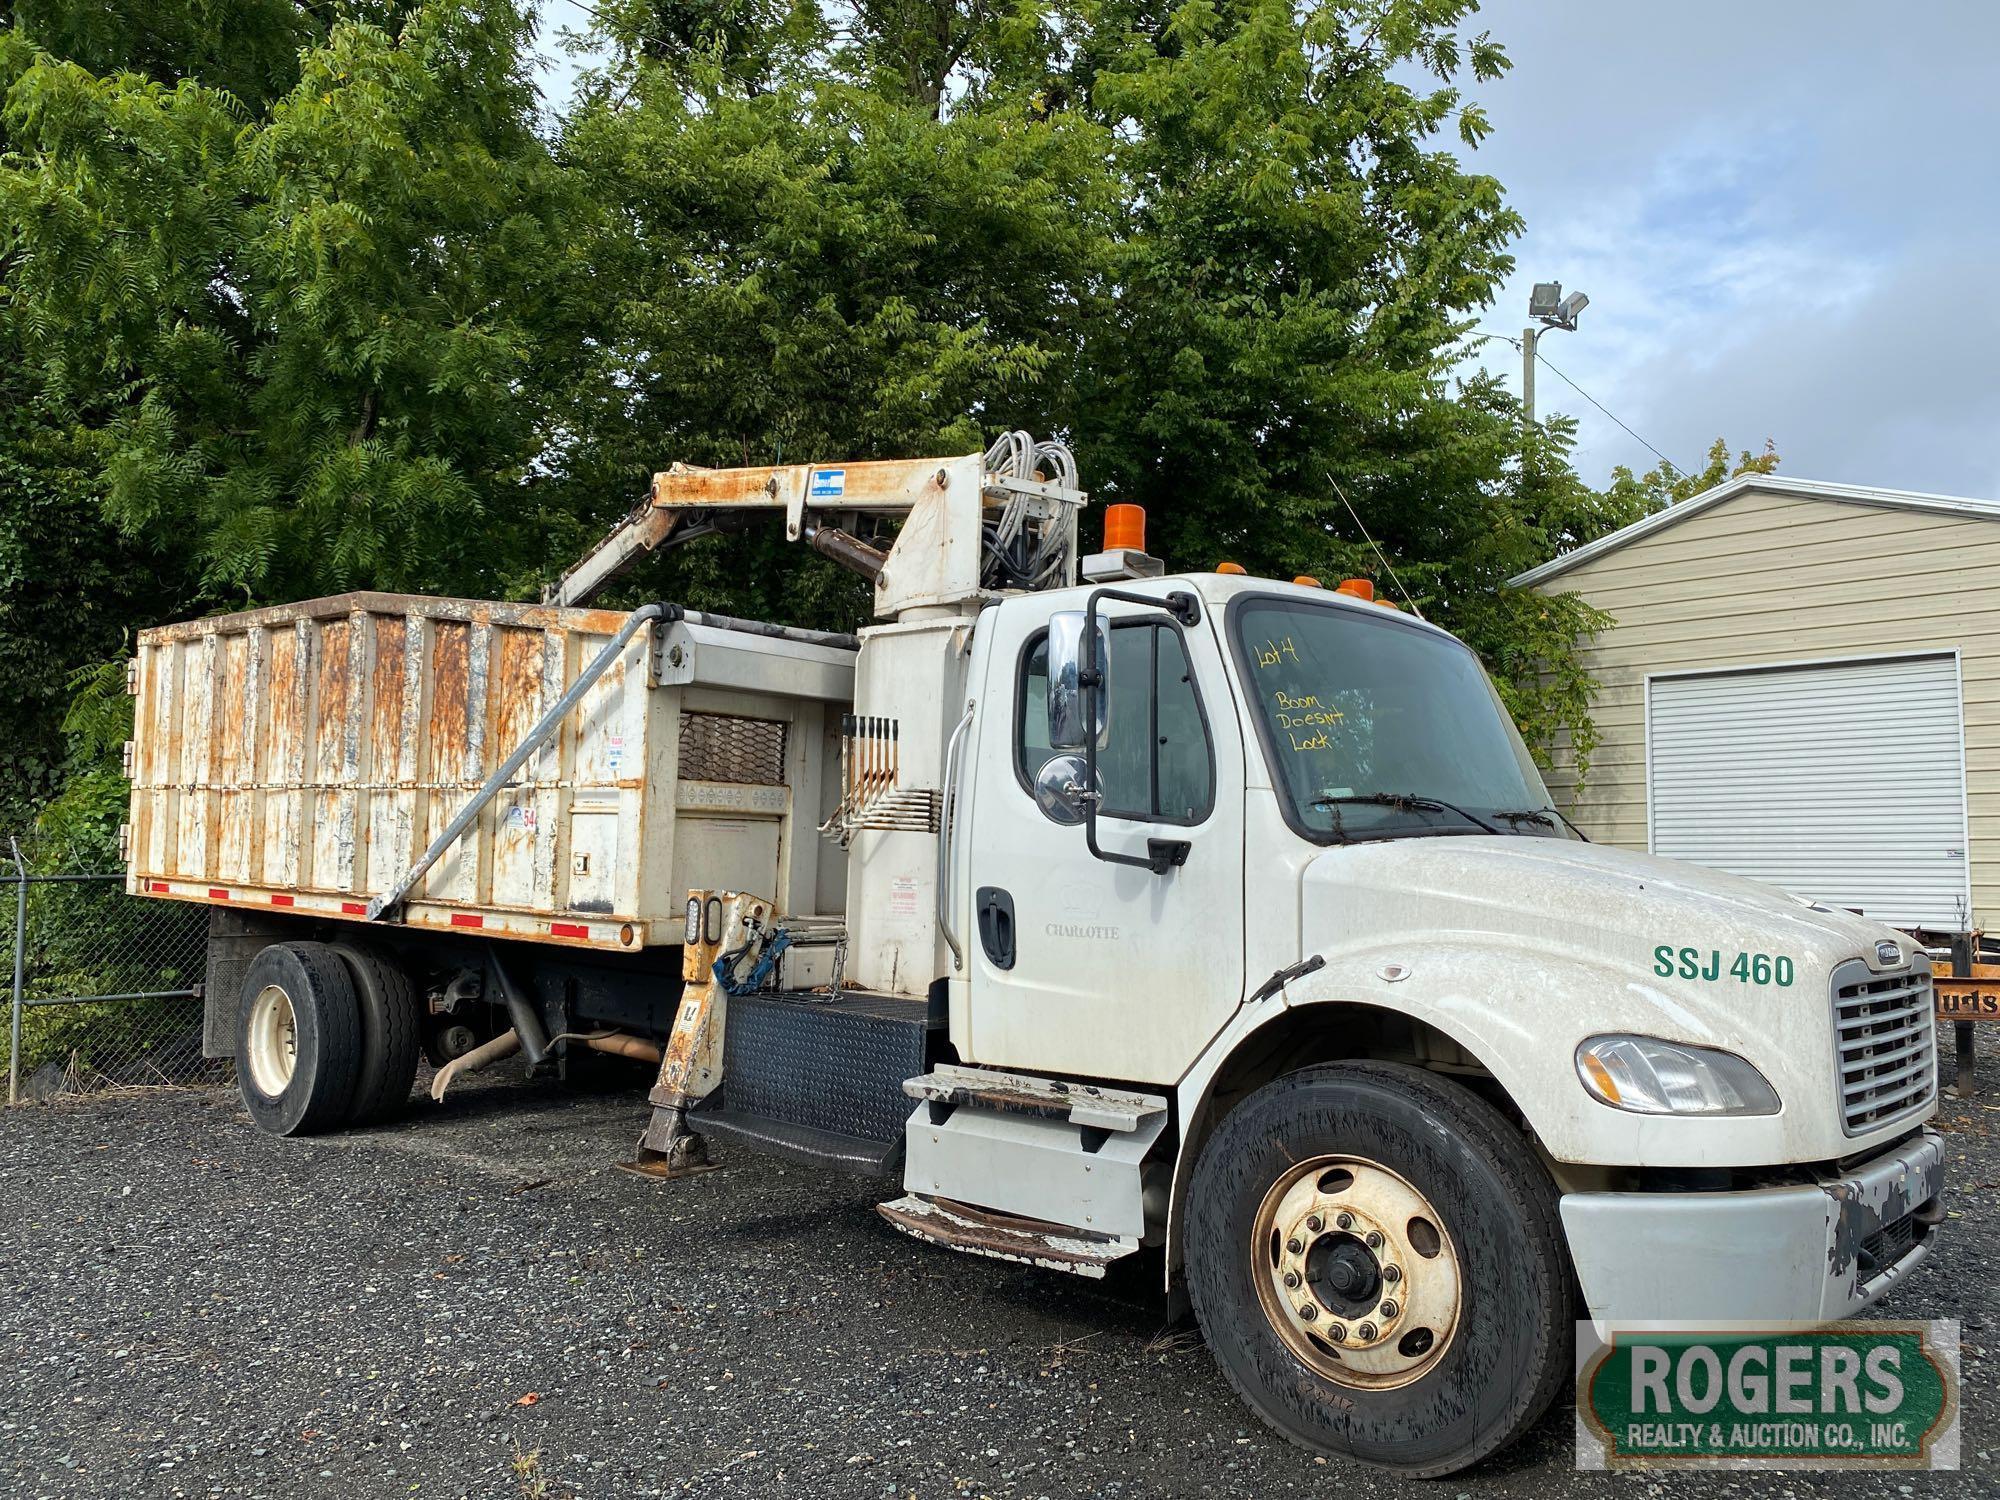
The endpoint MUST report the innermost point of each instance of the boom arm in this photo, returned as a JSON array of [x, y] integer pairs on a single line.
[[968, 525]]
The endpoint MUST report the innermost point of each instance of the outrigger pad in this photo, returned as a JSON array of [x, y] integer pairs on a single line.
[[660, 1169], [667, 1149]]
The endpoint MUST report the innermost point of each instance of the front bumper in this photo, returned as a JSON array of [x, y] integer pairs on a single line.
[[1812, 1254]]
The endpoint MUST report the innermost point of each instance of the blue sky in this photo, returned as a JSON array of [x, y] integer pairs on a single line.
[[1785, 213]]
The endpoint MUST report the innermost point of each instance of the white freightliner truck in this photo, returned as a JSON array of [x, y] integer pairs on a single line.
[[1201, 914]]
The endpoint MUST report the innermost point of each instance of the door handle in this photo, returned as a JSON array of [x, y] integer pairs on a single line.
[[994, 909]]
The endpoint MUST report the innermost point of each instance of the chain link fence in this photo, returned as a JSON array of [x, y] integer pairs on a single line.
[[105, 987]]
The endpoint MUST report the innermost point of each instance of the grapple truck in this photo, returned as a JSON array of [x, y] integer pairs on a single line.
[[1204, 915]]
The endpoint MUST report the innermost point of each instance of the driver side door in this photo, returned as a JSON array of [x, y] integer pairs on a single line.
[[1107, 970]]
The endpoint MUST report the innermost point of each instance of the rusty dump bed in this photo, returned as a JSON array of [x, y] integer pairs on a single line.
[[302, 757]]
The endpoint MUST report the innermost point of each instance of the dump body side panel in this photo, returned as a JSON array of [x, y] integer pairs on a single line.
[[302, 757]]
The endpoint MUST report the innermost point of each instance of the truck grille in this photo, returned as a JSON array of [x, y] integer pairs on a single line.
[[1885, 1038]]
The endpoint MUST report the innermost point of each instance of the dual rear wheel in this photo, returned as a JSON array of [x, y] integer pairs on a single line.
[[326, 1036]]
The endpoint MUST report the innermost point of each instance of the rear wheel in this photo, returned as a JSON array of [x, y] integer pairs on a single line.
[[390, 1017], [1375, 1258], [298, 1039]]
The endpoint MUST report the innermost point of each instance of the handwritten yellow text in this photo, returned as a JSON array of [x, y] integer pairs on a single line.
[[1273, 652]]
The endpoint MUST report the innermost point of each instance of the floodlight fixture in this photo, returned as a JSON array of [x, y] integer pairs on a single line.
[[1548, 307]]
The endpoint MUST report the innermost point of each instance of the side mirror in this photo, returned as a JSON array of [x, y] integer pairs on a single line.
[[1067, 726], [1059, 789]]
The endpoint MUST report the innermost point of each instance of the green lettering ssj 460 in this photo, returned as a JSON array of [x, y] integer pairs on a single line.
[[1713, 968]]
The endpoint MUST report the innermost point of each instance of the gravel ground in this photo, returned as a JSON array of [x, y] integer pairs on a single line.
[[474, 1304]]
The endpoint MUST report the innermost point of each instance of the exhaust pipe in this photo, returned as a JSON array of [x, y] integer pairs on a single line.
[[618, 1044], [534, 1037], [483, 1056]]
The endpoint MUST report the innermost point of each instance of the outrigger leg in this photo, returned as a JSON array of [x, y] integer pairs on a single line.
[[719, 923]]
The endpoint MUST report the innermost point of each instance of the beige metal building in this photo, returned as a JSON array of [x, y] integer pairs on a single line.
[[1802, 685]]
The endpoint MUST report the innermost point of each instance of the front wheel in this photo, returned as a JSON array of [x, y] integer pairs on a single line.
[[1376, 1261]]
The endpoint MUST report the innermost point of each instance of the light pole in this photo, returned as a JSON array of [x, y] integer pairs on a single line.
[[1551, 309]]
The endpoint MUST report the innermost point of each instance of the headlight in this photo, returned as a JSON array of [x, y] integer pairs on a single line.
[[1648, 1076]]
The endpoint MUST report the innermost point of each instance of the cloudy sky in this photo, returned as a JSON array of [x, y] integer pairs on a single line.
[[1786, 214]]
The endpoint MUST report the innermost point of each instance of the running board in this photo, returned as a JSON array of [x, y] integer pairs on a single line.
[[1081, 1104], [1029, 1242], [1039, 1151]]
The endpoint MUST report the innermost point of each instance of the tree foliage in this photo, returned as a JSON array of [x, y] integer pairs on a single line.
[[307, 296], [297, 341]]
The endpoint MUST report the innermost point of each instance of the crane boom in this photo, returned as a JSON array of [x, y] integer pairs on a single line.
[[966, 524]]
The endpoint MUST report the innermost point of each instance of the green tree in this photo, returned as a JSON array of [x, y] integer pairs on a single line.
[[808, 266], [249, 48], [297, 342], [1663, 484], [1224, 246], [301, 291], [70, 589]]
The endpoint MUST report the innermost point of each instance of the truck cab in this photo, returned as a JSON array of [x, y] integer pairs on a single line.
[[1262, 942]]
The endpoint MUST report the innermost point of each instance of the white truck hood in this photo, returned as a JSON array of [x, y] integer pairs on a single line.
[[1521, 947]]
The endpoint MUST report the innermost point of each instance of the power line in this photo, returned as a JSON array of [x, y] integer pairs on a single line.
[[1611, 414], [589, 10], [1544, 359]]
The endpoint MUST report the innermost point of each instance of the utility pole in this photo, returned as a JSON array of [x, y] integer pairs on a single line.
[[1528, 337], [1551, 309]]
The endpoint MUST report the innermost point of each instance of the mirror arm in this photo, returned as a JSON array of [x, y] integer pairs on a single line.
[[1161, 855]]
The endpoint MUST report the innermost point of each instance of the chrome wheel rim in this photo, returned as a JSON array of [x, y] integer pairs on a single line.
[[272, 1048], [1356, 1272]]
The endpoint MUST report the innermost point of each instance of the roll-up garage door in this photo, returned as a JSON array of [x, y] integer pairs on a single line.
[[1843, 782]]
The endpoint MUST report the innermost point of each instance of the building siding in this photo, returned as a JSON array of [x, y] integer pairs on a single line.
[[1766, 578]]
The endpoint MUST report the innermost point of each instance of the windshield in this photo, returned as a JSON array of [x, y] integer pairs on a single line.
[[1377, 730]]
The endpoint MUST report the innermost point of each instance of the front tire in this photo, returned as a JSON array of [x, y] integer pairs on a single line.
[[1376, 1260], [298, 1039]]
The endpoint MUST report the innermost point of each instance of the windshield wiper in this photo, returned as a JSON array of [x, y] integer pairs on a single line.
[[1545, 816], [1402, 802]]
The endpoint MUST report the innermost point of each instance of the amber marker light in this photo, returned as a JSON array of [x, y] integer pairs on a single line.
[[1124, 528], [1598, 1077]]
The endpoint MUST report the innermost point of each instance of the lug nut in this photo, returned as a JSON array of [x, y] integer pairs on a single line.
[[1365, 1332], [1335, 1332], [1294, 1245], [1291, 1278], [1345, 1221], [1374, 1240], [1315, 1223], [1309, 1312], [1388, 1308], [1392, 1274]]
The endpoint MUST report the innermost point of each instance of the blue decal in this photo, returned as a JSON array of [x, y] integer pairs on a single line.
[[826, 483]]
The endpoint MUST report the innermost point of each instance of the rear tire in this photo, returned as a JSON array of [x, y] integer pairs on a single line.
[[390, 1018], [298, 1039], [1376, 1259]]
